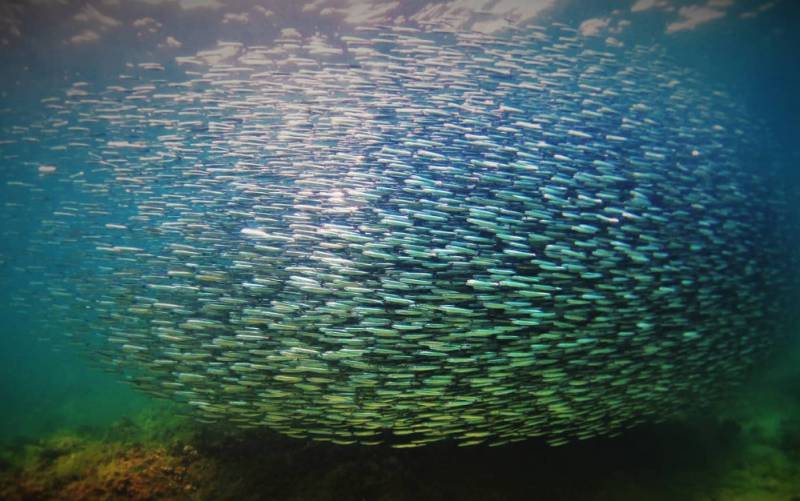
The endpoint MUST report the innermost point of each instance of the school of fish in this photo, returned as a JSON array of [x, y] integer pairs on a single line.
[[403, 236]]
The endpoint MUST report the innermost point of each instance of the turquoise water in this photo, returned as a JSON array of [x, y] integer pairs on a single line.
[[460, 229]]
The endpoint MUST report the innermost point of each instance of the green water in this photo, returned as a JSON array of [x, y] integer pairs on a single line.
[[47, 390]]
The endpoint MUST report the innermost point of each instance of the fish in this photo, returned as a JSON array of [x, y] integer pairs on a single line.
[[405, 236]]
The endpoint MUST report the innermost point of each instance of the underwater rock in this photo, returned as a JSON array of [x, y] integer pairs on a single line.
[[106, 470]]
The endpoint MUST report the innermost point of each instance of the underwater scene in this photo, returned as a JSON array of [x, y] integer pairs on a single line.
[[399, 250]]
